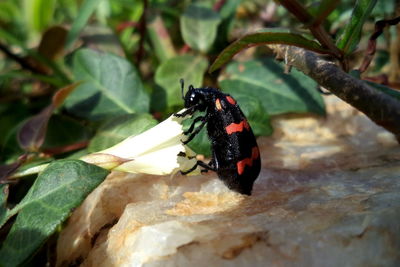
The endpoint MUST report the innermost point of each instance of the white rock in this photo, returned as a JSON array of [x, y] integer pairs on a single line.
[[328, 195]]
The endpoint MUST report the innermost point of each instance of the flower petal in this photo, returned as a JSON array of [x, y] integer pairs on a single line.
[[157, 151]]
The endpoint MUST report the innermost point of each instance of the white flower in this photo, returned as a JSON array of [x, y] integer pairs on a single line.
[[156, 151]]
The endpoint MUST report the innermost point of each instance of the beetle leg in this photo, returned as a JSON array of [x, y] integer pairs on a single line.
[[196, 131], [207, 167], [188, 111], [211, 166], [200, 118], [190, 170], [200, 163]]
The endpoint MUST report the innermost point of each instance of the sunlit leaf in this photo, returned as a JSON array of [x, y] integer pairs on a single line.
[[199, 27], [111, 86], [168, 74], [160, 39], [278, 92], [59, 189], [351, 36]]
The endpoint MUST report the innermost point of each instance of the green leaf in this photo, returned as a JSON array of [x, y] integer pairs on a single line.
[[351, 36], [199, 27], [60, 188], [160, 39], [85, 11], [11, 150], [384, 9], [117, 129], [33, 132], [9, 11], [263, 37], [323, 9], [278, 92], [229, 8], [111, 87], [10, 116], [63, 131], [39, 13], [168, 74], [3, 201], [227, 13]]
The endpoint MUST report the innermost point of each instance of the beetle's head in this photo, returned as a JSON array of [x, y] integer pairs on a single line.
[[193, 98]]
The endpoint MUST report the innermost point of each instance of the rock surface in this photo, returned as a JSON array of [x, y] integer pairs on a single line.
[[328, 195]]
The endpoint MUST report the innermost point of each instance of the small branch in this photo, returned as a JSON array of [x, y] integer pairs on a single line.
[[127, 24], [142, 31], [68, 148], [301, 13], [21, 61], [383, 109], [7, 170], [298, 10], [371, 48], [218, 5]]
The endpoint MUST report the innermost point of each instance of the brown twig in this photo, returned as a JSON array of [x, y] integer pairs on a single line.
[[371, 48], [63, 149], [7, 170], [23, 62], [142, 32], [184, 49], [381, 108], [218, 5], [127, 24], [301, 13]]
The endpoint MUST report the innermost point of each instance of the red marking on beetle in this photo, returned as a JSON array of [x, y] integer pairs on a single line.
[[231, 100], [255, 153], [218, 104], [237, 127]]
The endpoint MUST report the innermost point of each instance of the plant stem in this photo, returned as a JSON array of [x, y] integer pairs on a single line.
[[381, 108], [142, 31], [301, 13]]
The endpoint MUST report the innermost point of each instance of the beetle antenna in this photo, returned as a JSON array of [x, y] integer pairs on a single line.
[[182, 87]]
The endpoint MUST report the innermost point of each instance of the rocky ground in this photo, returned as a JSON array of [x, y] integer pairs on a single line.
[[328, 195]]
